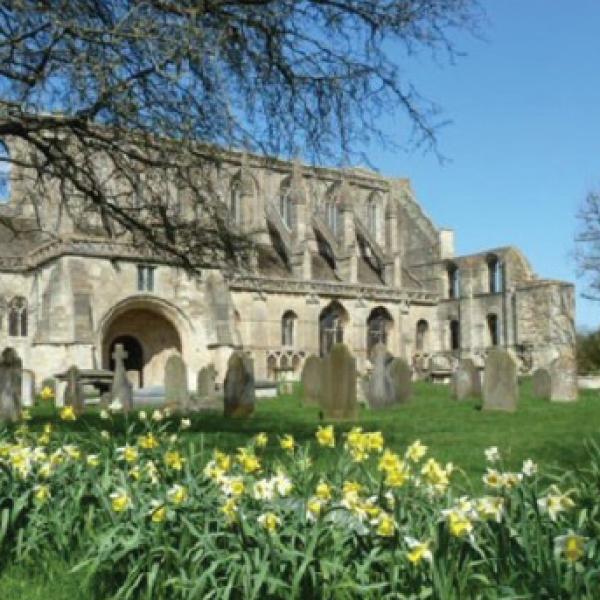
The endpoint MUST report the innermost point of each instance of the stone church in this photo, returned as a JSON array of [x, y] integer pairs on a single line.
[[341, 255]]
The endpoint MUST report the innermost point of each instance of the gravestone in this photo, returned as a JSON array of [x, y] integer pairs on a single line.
[[500, 388], [311, 380], [541, 383], [27, 388], [380, 389], [239, 391], [563, 377], [338, 384], [205, 383], [73, 395], [121, 389], [11, 368], [466, 380], [400, 375], [177, 395]]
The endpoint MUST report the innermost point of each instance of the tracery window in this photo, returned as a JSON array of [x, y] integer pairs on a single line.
[[378, 325], [331, 326], [17, 317]]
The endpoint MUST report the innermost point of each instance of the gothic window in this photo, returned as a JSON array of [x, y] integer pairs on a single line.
[[453, 280], [422, 332], [17, 317], [332, 216], [145, 281], [495, 275], [373, 215], [493, 329], [235, 202], [454, 335], [288, 325], [286, 207], [4, 174], [379, 324], [271, 367], [331, 326]]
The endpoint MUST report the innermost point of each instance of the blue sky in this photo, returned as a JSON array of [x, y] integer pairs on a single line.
[[524, 142]]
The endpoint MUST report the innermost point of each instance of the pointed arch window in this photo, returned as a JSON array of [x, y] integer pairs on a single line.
[[17, 317], [235, 202], [493, 329], [422, 334], [5, 166], [332, 321], [332, 216], [286, 207], [454, 334], [453, 279], [495, 275], [374, 216], [288, 327], [379, 324]]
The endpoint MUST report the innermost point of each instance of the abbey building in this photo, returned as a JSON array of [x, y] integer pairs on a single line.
[[340, 255]]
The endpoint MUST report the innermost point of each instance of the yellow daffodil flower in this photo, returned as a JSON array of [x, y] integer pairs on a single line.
[[120, 501], [174, 460], [41, 493], [177, 494], [287, 442], [323, 491], [418, 551], [148, 441], [386, 525], [571, 546], [416, 451], [67, 413], [326, 436], [269, 521], [261, 440]]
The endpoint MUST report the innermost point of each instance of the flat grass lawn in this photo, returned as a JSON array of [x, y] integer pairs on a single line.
[[553, 435]]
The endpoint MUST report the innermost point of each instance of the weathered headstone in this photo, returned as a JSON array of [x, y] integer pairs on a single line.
[[380, 390], [177, 395], [74, 391], [500, 388], [466, 380], [11, 367], [121, 390], [563, 376], [27, 388], [400, 375], [239, 391], [338, 385], [311, 380], [541, 383], [205, 383]]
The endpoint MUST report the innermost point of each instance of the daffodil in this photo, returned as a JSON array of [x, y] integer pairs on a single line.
[[555, 503], [157, 415], [416, 451], [177, 494], [120, 501], [72, 451], [158, 513], [174, 460], [248, 461], [185, 424], [230, 510], [417, 551], [323, 491], [386, 526], [142, 415], [458, 523], [314, 506], [326, 436], [261, 440], [67, 413], [269, 521], [233, 486], [492, 454], [493, 479], [287, 442], [529, 468], [374, 441], [222, 460], [41, 493], [47, 394], [263, 489], [491, 507], [128, 454], [148, 441], [92, 460], [571, 546], [282, 484], [397, 477]]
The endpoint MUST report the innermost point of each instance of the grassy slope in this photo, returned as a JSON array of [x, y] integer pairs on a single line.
[[551, 434]]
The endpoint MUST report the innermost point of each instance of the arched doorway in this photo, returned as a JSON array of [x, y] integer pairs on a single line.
[[148, 337]]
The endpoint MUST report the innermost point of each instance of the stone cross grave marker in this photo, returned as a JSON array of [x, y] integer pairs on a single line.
[[311, 380], [239, 390], [500, 387], [121, 389], [177, 395], [338, 384], [11, 367]]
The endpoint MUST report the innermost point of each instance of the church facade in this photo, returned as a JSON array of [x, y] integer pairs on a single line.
[[341, 255]]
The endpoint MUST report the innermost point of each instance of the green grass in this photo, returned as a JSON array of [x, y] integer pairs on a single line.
[[551, 434]]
